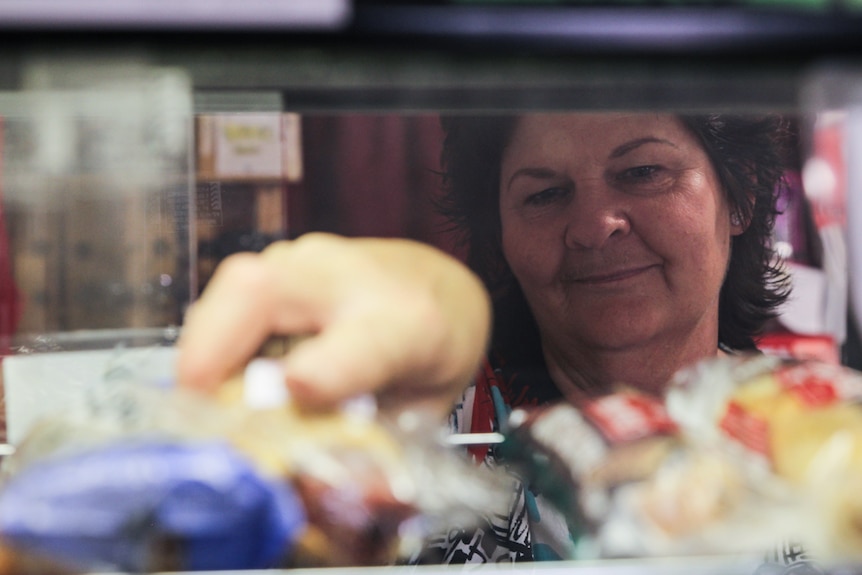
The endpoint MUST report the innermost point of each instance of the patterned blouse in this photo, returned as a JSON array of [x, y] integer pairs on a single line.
[[529, 528]]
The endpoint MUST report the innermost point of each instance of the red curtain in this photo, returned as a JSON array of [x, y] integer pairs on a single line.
[[370, 175], [10, 301]]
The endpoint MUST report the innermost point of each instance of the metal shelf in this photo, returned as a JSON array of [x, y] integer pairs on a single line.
[[660, 29], [730, 565]]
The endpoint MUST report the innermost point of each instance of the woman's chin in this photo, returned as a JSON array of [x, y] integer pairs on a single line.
[[616, 335]]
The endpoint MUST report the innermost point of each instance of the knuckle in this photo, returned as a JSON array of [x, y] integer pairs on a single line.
[[243, 272]]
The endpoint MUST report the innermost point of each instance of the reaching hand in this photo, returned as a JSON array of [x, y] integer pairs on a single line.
[[393, 317]]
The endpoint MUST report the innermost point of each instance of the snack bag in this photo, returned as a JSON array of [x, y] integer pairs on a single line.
[[794, 423], [152, 505], [574, 453], [642, 478], [622, 474], [150, 479]]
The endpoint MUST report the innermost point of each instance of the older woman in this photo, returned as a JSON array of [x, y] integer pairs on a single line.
[[617, 248], [631, 244]]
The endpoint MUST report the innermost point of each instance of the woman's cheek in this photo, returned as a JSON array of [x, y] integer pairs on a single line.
[[532, 249], [519, 252]]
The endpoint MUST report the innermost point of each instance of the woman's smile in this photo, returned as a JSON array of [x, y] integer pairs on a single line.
[[610, 276]]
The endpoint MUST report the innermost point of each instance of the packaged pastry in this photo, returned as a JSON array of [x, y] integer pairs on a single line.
[[743, 454], [576, 454], [789, 416], [796, 424], [622, 474], [14, 561], [161, 479], [716, 467]]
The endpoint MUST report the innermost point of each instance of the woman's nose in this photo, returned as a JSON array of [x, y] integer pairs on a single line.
[[594, 220]]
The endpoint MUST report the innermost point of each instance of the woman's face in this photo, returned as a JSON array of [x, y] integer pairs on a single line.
[[616, 228]]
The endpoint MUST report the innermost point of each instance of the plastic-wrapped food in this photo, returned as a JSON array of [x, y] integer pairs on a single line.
[[20, 562], [150, 479], [640, 487], [574, 456], [743, 453], [152, 506], [794, 423]]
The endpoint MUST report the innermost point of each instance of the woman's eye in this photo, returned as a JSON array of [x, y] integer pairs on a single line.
[[641, 173], [545, 197], [648, 178]]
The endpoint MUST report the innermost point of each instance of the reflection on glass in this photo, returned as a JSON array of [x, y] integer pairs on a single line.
[[96, 187]]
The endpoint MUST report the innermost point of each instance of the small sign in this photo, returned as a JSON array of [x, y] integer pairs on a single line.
[[248, 146]]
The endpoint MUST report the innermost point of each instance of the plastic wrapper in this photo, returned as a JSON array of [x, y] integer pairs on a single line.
[[792, 425], [159, 479], [744, 454]]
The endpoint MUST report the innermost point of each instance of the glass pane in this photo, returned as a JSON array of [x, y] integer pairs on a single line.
[[96, 188]]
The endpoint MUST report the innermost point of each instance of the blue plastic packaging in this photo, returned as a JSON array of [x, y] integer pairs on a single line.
[[105, 508]]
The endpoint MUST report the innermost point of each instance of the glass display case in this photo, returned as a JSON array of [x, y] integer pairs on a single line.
[[130, 166]]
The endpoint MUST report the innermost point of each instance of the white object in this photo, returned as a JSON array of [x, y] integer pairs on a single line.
[[263, 386], [41, 384], [804, 311]]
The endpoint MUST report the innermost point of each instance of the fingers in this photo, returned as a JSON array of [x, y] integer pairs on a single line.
[[342, 361], [391, 343], [285, 290], [232, 319], [225, 325], [392, 317]]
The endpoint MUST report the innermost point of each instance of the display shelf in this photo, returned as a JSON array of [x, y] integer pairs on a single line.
[[178, 14], [805, 31], [739, 565], [618, 27], [96, 339], [815, 28]]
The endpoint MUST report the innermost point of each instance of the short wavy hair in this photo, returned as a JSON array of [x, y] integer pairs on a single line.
[[749, 154]]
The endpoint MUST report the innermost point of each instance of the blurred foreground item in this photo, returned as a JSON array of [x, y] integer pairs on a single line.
[[744, 454], [160, 479]]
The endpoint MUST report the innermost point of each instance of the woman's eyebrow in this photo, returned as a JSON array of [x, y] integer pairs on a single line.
[[532, 172], [624, 149]]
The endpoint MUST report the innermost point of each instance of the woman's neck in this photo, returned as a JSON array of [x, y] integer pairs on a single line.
[[581, 373]]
